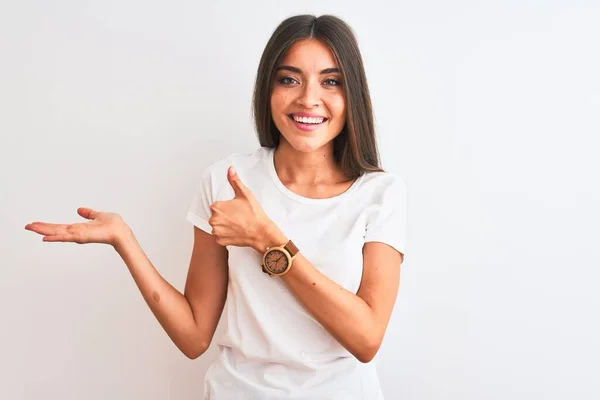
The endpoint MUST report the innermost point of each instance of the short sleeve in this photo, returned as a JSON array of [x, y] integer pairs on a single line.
[[213, 186], [386, 222], [199, 211]]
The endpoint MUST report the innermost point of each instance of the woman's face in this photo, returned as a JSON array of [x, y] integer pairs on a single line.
[[307, 102]]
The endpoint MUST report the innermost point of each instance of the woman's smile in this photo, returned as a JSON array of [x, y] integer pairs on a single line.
[[307, 121]]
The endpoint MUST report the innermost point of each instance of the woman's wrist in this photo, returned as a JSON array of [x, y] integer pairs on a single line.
[[271, 236], [123, 238]]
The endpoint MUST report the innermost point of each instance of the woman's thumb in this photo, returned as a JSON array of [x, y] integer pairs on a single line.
[[87, 213]]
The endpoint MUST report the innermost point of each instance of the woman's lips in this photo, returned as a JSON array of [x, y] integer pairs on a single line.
[[307, 126]]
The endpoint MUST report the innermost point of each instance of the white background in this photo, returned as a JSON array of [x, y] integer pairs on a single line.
[[488, 110]]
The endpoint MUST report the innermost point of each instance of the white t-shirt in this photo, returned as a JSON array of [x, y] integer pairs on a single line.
[[273, 348]]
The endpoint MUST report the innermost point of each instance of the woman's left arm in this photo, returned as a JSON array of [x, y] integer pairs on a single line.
[[357, 321]]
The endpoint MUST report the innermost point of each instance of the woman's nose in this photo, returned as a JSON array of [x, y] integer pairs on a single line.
[[310, 96]]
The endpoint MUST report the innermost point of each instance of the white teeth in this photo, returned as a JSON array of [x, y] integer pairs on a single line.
[[309, 120]]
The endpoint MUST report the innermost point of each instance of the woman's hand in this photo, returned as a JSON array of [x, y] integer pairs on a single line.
[[104, 227], [241, 221]]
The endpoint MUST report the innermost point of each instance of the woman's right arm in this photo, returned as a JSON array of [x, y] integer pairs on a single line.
[[190, 319]]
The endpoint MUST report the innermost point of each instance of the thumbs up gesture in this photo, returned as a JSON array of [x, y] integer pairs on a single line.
[[240, 221]]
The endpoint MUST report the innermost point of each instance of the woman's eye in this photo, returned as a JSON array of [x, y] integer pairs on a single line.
[[332, 82], [286, 80]]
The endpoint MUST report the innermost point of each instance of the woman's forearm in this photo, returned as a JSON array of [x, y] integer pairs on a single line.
[[171, 308], [346, 316]]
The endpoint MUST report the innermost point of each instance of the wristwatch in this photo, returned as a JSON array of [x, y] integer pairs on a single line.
[[277, 260]]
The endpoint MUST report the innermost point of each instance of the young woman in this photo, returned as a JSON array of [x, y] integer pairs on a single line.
[[304, 237]]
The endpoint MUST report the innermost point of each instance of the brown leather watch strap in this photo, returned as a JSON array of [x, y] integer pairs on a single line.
[[291, 248]]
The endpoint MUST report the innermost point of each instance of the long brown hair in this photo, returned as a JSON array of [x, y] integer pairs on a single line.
[[355, 148]]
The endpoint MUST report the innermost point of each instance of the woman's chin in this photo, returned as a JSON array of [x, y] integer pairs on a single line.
[[306, 144]]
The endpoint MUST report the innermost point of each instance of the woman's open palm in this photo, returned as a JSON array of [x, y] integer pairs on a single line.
[[103, 227]]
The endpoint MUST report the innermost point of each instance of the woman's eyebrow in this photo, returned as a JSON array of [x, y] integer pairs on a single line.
[[299, 71]]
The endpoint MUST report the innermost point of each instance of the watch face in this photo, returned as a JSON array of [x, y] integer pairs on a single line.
[[276, 261]]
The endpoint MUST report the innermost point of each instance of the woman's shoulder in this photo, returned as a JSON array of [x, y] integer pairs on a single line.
[[240, 160], [382, 181]]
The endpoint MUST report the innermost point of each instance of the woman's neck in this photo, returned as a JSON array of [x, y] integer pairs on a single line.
[[307, 168]]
